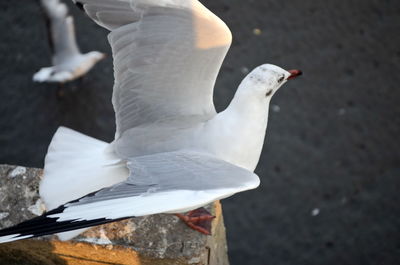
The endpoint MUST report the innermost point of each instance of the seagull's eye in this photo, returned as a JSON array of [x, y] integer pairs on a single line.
[[268, 93], [280, 80]]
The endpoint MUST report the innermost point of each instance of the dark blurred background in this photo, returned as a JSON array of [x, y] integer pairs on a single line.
[[330, 169]]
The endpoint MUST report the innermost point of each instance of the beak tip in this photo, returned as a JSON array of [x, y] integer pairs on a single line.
[[294, 73]]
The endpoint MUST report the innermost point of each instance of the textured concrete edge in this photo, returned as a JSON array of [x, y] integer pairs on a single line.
[[157, 239]]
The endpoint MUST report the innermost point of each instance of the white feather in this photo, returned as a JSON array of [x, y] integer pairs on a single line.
[[10, 238], [43, 74], [178, 201], [75, 166]]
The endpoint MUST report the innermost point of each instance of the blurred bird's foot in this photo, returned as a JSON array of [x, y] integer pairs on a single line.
[[60, 90], [81, 81], [199, 220]]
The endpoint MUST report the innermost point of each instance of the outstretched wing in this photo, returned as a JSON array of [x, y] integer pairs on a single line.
[[167, 55], [61, 30], [186, 180]]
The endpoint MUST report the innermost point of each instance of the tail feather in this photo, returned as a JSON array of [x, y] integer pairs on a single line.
[[49, 74], [77, 165], [43, 74]]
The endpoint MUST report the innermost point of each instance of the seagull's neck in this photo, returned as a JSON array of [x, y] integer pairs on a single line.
[[240, 129], [249, 107], [248, 114]]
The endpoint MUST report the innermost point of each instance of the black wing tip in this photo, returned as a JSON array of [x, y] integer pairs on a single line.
[[43, 226], [46, 225], [79, 5]]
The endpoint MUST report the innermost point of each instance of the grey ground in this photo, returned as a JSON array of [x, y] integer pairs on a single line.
[[332, 146]]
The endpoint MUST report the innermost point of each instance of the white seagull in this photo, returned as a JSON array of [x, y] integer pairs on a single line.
[[68, 63], [172, 151]]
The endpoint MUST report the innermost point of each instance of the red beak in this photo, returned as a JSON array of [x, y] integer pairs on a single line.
[[294, 74]]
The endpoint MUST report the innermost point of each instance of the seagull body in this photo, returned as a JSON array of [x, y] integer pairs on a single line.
[[68, 62], [172, 151]]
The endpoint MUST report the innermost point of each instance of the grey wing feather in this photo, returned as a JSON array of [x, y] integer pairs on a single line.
[[174, 171], [167, 55], [61, 30]]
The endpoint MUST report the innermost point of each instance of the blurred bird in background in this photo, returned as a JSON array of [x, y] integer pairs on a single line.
[[68, 62]]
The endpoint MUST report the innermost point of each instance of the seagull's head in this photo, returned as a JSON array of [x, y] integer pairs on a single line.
[[266, 79], [96, 56]]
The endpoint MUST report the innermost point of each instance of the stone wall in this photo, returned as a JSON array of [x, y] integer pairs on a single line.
[[157, 239]]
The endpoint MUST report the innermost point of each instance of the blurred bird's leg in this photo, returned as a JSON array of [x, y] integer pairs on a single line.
[[80, 81], [60, 90], [199, 220]]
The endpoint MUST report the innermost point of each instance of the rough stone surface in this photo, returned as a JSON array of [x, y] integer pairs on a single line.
[[18, 194], [156, 239]]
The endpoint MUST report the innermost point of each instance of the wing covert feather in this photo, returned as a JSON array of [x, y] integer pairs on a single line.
[[174, 171]]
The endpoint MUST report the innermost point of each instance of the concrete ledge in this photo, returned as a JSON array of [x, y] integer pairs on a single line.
[[157, 239]]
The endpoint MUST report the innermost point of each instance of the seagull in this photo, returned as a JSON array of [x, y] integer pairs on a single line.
[[172, 152], [68, 62]]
